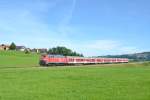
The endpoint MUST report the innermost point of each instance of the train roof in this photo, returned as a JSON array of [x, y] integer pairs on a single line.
[[62, 56], [53, 55]]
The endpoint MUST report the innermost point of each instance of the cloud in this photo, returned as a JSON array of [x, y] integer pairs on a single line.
[[68, 14], [64, 28], [25, 20], [129, 50], [103, 44], [100, 47], [25, 25], [30, 18], [111, 47]]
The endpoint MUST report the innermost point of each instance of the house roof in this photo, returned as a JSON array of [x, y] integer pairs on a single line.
[[20, 47], [4, 45]]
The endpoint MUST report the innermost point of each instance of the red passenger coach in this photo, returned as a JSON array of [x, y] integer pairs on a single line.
[[69, 60]]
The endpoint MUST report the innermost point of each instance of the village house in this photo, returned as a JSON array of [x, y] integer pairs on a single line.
[[23, 48], [20, 48], [4, 47]]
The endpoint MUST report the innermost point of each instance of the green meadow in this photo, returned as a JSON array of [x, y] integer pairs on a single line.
[[18, 59], [21, 78]]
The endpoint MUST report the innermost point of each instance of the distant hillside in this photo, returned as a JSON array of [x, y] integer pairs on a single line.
[[144, 56]]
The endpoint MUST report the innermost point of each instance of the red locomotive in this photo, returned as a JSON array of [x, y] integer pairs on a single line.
[[69, 60]]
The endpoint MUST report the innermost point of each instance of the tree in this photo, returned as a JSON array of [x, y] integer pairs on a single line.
[[63, 51], [27, 51], [12, 46]]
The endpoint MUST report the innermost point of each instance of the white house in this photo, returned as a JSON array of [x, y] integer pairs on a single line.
[[20, 48]]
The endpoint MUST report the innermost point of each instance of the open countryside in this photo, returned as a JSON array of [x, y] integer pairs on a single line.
[[74, 50], [21, 78]]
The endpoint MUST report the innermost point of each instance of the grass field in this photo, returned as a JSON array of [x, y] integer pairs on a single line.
[[18, 59], [94, 82]]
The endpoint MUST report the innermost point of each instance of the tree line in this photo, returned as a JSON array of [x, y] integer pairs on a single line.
[[55, 50], [63, 51]]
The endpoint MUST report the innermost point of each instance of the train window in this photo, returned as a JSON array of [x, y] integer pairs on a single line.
[[50, 56], [55, 56], [58, 56], [71, 59]]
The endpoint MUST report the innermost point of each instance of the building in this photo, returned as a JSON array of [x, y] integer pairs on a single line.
[[4, 47], [42, 50], [34, 50], [20, 48]]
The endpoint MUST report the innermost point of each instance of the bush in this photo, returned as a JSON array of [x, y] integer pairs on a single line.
[[27, 51]]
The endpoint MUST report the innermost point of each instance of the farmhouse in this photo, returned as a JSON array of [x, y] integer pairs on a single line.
[[20, 48], [4, 47]]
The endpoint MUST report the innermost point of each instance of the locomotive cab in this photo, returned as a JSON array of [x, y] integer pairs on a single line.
[[50, 59], [43, 60]]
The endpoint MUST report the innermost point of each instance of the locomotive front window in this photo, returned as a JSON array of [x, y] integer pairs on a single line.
[[43, 56]]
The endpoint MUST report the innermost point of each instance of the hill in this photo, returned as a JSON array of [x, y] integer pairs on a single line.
[[144, 56], [18, 59]]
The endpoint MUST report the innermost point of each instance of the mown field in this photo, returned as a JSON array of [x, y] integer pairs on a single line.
[[18, 59], [95, 82]]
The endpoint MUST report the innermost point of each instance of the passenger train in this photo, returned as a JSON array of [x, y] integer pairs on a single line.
[[47, 59]]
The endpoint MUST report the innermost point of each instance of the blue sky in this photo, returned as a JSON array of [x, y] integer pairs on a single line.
[[91, 27]]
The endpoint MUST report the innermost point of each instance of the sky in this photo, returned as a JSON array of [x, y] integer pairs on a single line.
[[91, 27]]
